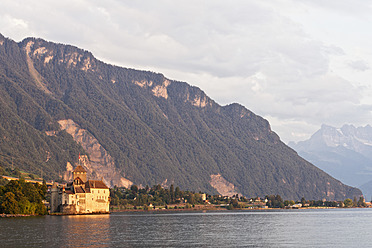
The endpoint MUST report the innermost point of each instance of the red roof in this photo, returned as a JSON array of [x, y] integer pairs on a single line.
[[79, 189], [95, 184], [78, 181]]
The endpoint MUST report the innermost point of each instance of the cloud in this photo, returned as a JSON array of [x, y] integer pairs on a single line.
[[213, 37], [359, 65], [257, 53], [13, 25], [359, 8]]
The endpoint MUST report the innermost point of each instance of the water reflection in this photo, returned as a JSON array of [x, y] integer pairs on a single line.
[[85, 230], [313, 228], [208, 229]]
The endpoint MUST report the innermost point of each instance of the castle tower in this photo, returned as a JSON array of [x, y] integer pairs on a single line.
[[54, 198], [80, 172]]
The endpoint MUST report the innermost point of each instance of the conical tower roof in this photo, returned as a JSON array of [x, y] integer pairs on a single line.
[[79, 168]]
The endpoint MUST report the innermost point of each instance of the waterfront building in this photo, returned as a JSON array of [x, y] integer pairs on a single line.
[[81, 196]]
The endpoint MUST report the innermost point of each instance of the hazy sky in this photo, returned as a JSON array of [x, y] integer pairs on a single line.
[[298, 64]]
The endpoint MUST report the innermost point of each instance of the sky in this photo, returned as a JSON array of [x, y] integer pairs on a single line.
[[299, 64]]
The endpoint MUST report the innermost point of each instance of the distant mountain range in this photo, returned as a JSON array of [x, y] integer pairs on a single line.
[[345, 153], [138, 127]]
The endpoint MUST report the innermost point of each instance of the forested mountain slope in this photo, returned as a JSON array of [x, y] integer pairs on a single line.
[[140, 127]]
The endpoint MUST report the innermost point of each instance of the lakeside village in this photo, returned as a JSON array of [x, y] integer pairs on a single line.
[[20, 196]]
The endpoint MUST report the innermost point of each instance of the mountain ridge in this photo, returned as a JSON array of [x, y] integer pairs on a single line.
[[157, 130], [345, 153]]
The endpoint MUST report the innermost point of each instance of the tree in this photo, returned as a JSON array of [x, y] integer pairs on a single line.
[[361, 202], [177, 192], [234, 202], [9, 204], [172, 194], [20, 197], [274, 201], [348, 203], [134, 188], [190, 198]]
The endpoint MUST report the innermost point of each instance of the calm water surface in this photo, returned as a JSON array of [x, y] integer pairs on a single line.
[[286, 228]]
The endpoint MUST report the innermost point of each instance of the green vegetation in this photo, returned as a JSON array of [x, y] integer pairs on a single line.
[[276, 202], [158, 197], [19, 197], [155, 196], [181, 136]]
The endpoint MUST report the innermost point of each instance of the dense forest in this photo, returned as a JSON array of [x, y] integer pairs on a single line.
[[157, 131], [20, 197]]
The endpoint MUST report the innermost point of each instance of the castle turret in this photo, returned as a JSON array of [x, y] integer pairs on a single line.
[[80, 172], [54, 198]]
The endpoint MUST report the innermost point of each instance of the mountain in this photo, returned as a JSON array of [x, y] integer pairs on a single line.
[[345, 153], [139, 127]]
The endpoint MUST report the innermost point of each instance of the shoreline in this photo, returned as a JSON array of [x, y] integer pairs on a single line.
[[220, 209], [213, 208], [198, 208], [18, 215]]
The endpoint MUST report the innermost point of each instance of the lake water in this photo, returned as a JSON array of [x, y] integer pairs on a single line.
[[282, 228]]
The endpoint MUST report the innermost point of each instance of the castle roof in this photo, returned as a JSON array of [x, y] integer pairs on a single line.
[[79, 168], [79, 189], [78, 181], [55, 185], [95, 184]]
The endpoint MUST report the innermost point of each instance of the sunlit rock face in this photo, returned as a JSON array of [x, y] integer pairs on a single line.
[[140, 127]]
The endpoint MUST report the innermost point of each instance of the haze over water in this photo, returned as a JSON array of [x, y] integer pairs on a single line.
[[282, 228]]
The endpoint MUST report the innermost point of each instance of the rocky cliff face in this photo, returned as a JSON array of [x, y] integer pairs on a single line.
[[140, 127], [358, 139], [99, 165], [222, 186], [345, 153]]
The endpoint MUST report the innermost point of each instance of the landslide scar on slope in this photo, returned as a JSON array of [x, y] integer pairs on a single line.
[[33, 72], [222, 186], [101, 164]]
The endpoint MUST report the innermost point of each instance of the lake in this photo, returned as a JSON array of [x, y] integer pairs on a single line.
[[271, 228]]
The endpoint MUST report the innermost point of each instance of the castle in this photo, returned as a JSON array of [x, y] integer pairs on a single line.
[[81, 196]]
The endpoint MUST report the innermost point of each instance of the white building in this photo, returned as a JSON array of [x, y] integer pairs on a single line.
[[81, 196]]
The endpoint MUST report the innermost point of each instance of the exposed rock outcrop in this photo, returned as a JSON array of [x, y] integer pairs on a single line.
[[223, 187], [101, 164], [144, 127]]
